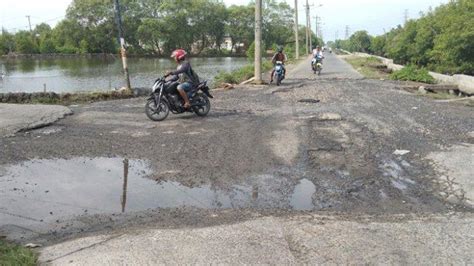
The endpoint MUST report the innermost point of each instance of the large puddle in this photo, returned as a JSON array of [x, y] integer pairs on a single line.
[[42, 190]]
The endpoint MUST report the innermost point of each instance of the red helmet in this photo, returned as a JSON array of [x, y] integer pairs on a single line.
[[179, 54]]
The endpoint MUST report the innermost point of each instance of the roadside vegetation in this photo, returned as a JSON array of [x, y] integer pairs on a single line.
[[369, 67], [239, 75], [442, 40], [202, 27], [11, 254], [413, 73]]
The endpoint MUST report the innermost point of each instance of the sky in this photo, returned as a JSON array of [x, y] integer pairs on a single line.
[[375, 16]]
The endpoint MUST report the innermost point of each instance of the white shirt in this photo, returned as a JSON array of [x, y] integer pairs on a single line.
[[316, 53]]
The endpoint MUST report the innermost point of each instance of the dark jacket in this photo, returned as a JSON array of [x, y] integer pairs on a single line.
[[186, 73]]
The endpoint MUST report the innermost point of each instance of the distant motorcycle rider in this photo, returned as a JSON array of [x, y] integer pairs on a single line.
[[317, 52], [184, 73], [279, 56]]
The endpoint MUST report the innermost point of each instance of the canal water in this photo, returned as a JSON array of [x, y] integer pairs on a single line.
[[73, 74]]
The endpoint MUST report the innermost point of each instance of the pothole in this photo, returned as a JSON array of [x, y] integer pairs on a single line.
[[46, 190]]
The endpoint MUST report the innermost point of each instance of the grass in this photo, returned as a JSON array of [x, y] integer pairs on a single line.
[[413, 73], [11, 254], [239, 75], [369, 67]]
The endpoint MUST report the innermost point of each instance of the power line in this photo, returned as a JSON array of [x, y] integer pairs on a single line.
[[30, 26]]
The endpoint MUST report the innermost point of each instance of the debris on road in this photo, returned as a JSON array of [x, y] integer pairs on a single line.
[[309, 101], [32, 245], [329, 117], [401, 152]]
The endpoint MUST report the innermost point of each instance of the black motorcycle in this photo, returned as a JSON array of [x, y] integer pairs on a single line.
[[165, 98]]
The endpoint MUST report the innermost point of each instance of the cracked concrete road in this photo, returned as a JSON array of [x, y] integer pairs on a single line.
[[303, 239], [302, 173], [18, 117]]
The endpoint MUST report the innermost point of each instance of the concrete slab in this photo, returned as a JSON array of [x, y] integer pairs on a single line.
[[18, 117], [310, 239]]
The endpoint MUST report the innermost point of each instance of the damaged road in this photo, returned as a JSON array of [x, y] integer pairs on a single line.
[[264, 156]]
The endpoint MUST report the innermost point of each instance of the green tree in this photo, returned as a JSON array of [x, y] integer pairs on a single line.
[[7, 42], [240, 25], [360, 41], [24, 43]]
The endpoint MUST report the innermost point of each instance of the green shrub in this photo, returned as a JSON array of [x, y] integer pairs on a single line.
[[239, 75], [412, 73]]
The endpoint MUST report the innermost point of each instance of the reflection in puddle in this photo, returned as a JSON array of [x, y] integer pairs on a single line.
[[46, 189]]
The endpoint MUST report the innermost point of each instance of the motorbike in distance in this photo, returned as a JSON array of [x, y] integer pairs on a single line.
[[165, 98], [279, 75], [317, 65]]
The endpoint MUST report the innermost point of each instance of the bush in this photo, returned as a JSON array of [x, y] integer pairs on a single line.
[[412, 73], [239, 75]]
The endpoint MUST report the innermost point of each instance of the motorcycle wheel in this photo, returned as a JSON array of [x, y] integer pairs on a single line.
[[157, 113], [204, 109], [279, 79]]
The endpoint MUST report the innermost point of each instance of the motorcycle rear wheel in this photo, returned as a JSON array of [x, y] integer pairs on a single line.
[[157, 113], [204, 109], [279, 79]]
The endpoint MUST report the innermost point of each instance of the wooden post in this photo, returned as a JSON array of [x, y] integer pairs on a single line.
[[123, 51]]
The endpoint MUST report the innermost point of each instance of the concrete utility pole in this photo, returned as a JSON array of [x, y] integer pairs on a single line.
[[347, 32], [307, 28], [297, 44], [316, 23], [123, 51], [258, 42], [405, 15], [29, 22]]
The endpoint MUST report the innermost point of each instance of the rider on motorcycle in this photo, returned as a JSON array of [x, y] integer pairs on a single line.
[[188, 79], [318, 53], [279, 56]]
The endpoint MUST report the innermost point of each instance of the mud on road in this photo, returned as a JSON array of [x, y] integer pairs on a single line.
[[260, 151]]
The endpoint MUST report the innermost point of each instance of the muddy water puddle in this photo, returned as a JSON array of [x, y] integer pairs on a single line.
[[45, 190]]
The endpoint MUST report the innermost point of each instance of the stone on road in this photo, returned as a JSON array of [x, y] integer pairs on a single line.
[[18, 117]]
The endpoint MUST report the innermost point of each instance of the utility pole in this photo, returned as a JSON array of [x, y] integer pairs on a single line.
[[317, 19], [258, 42], [297, 44], [123, 51], [405, 15], [347, 32], [29, 22], [336, 35], [308, 28]]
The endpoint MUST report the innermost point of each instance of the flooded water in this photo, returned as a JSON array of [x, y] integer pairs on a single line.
[[42, 190], [98, 73]]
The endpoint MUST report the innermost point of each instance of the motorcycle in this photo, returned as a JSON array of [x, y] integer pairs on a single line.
[[317, 65], [165, 98], [279, 76]]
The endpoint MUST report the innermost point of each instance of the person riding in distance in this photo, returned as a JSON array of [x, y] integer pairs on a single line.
[[318, 53], [187, 78], [279, 56]]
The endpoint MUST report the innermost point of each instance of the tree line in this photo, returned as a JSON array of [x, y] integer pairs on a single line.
[[441, 40], [156, 27]]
